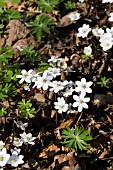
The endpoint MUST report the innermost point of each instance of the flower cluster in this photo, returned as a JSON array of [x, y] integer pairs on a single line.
[[105, 38], [15, 158], [50, 80], [74, 17]]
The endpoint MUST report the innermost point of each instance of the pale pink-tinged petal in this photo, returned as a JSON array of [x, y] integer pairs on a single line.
[[75, 97], [85, 105], [80, 107], [76, 104]]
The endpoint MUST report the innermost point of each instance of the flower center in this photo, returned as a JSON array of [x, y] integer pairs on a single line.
[[1, 158], [81, 101], [14, 160]]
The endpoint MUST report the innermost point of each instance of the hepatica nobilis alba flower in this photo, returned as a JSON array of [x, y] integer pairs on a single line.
[[106, 41], [68, 92], [15, 159], [87, 50], [25, 76], [98, 32], [21, 125], [17, 143], [4, 157], [74, 17], [27, 138], [83, 87], [61, 105], [43, 81], [54, 58], [83, 31], [56, 86], [80, 102]]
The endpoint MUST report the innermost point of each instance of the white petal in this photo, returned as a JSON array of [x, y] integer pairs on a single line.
[[80, 107], [76, 104], [78, 89], [87, 99], [19, 76], [78, 83], [88, 90], [85, 105], [24, 72], [21, 81], [83, 81], [89, 83], [75, 97]]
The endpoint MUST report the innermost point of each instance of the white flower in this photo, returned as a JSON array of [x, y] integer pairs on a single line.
[[83, 31], [83, 87], [106, 1], [68, 83], [61, 105], [35, 77], [106, 36], [43, 81], [20, 124], [98, 32], [80, 102], [106, 41], [74, 17], [15, 159], [87, 50], [54, 71], [26, 88], [70, 109], [15, 149], [27, 138], [110, 30], [3, 157], [54, 58], [17, 143], [106, 45], [1, 144], [56, 86], [111, 16], [68, 92], [26, 76]]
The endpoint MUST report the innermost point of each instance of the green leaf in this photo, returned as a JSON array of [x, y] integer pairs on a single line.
[[47, 5], [41, 25], [5, 52], [76, 139]]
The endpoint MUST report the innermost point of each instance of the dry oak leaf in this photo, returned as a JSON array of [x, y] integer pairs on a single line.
[[16, 31], [49, 152], [67, 161], [65, 21]]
